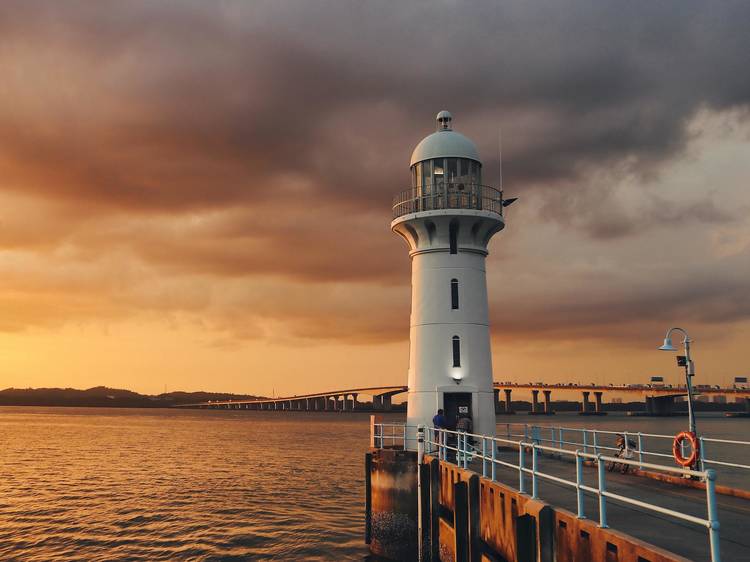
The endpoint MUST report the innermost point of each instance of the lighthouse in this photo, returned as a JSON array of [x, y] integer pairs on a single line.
[[447, 218]]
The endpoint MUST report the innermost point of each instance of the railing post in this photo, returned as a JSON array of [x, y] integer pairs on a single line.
[[585, 445], [579, 483], [702, 454], [420, 443], [484, 457], [562, 440], [534, 466], [713, 515], [521, 466], [462, 447], [627, 446], [596, 447], [494, 457], [640, 450], [602, 490]]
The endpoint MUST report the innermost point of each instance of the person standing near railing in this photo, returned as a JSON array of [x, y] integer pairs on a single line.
[[439, 422], [465, 425]]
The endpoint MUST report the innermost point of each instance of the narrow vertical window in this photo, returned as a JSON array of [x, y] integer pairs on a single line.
[[454, 294], [453, 236], [456, 351]]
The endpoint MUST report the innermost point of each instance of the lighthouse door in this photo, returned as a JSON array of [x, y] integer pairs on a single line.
[[456, 404]]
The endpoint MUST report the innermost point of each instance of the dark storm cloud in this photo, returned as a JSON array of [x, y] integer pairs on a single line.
[[178, 104], [267, 138]]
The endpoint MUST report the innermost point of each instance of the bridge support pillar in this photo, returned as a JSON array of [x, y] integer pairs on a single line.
[[659, 405], [496, 401], [344, 402], [387, 405], [508, 402], [354, 402], [585, 403], [377, 402], [548, 402], [598, 399], [534, 401]]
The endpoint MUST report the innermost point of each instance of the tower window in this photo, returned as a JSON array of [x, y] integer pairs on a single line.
[[453, 236], [456, 351], [454, 294]]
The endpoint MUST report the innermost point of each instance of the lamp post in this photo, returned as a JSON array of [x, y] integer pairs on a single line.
[[689, 369]]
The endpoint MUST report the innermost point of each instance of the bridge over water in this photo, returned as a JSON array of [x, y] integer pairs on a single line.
[[658, 399]]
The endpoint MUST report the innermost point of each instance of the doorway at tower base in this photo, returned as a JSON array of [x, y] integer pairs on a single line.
[[457, 401]]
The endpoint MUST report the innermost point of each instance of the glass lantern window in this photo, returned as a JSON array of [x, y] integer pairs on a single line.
[[426, 173], [438, 169]]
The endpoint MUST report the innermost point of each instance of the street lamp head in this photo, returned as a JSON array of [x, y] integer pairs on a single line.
[[667, 345]]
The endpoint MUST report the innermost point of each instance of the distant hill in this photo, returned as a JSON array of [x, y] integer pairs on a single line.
[[104, 396]]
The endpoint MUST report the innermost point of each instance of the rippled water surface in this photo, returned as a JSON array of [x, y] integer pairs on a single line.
[[104, 484], [120, 484]]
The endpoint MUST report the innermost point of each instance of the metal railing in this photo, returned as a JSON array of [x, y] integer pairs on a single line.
[[596, 440], [448, 196], [457, 447], [390, 435]]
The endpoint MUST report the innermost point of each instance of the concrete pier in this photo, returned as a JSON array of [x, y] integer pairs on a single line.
[[391, 527], [466, 517]]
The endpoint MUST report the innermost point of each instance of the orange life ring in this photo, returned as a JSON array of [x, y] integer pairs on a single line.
[[677, 448]]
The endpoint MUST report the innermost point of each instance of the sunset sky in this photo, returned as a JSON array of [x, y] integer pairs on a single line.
[[198, 195]]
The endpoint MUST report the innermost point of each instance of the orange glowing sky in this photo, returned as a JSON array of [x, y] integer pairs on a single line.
[[197, 195]]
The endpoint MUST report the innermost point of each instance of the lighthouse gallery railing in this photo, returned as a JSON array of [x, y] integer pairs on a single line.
[[441, 196]]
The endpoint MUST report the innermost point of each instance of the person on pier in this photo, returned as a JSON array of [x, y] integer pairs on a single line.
[[439, 421]]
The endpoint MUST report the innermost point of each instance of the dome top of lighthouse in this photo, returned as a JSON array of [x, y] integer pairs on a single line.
[[444, 143]]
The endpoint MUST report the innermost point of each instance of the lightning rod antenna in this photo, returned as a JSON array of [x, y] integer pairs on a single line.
[[500, 154]]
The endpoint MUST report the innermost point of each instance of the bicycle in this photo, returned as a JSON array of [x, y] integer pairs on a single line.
[[624, 452]]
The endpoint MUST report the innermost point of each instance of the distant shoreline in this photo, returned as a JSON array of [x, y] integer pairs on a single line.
[[102, 396]]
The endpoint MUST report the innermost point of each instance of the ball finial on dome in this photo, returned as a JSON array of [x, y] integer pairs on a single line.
[[444, 119]]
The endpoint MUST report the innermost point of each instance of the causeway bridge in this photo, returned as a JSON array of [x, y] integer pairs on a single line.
[[659, 399], [336, 400]]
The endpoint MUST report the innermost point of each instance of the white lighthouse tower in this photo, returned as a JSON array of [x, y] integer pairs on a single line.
[[447, 218]]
